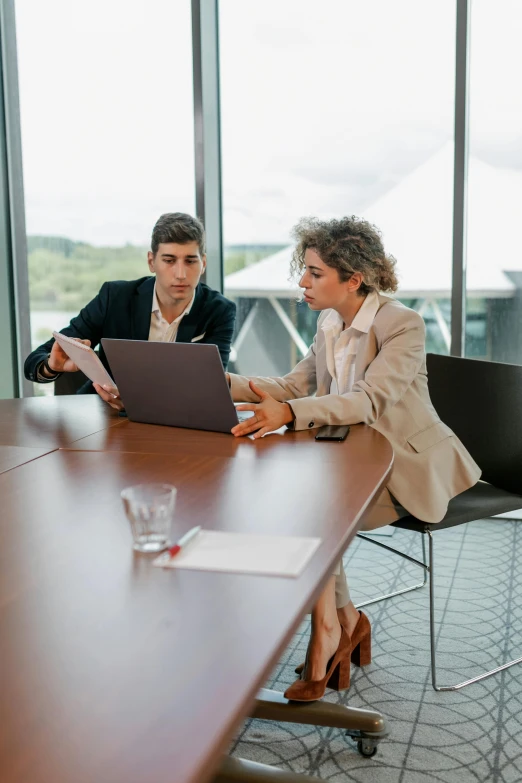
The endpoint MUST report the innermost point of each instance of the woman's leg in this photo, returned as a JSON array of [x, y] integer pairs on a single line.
[[325, 635], [347, 614], [385, 511], [335, 607]]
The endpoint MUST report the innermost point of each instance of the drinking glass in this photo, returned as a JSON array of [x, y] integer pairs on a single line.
[[150, 509]]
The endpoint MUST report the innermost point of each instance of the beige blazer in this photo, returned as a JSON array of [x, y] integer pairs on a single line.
[[390, 393]]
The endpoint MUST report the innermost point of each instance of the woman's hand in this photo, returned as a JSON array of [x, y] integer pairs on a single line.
[[109, 394], [269, 415]]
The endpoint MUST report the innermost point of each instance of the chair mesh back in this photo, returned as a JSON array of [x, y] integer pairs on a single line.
[[482, 403]]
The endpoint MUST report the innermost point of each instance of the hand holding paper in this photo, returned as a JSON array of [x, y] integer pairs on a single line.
[[82, 357], [109, 394], [59, 360]]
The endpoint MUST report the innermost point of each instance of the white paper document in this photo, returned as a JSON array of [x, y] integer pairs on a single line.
[[84, 358], [244, 553]]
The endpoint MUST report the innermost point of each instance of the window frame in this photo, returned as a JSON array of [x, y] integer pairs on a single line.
[[14, 289]]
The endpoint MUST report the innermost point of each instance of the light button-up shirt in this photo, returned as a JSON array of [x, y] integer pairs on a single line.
[[160, 330], [342, 344]]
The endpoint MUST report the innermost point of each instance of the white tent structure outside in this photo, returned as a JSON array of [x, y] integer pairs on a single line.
[[415, 218]]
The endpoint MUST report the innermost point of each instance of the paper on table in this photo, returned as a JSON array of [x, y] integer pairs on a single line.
[[245, 553]]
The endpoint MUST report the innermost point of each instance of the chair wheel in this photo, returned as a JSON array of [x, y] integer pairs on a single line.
[[367, 747]]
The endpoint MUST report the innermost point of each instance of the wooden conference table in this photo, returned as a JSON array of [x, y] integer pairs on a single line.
[[117, 672]]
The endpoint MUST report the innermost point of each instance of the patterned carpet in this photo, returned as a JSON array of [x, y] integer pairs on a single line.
[[469, 735]]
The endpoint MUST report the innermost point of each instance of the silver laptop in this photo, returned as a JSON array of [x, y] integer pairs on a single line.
[[177, 384]]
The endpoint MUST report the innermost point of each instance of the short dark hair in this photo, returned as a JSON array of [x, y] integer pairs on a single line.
[[180, 228], [349, 245]]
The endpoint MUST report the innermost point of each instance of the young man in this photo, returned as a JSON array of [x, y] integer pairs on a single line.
[[169, 306]]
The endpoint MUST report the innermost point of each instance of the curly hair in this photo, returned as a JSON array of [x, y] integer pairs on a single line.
[[349, 245]]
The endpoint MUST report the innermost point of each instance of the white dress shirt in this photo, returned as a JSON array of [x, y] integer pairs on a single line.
[[341, 345], [160, 330]]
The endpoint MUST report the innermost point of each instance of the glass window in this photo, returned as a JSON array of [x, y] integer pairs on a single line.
[[494, 257], [107, 142], [328, 109]]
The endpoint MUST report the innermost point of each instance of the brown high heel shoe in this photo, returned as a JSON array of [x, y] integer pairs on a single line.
[[361, 644], [337, 675]]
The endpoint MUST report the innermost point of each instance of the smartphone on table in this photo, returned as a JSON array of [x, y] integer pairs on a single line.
[[336, 432]]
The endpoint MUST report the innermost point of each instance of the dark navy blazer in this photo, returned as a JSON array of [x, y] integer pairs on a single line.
[[122, 310]]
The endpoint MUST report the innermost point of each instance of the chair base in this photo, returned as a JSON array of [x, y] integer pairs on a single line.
[[428, 568], [235, 770], [403, 590], [478, 678], [366, 727], [272, 705]]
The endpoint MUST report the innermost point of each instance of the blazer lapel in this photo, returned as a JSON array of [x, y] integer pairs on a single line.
[[367, 348], [361, 358], [141, 310], [323, 376]]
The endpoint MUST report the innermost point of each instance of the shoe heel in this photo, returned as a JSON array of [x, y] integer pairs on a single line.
[[340, 678], [362, 654]]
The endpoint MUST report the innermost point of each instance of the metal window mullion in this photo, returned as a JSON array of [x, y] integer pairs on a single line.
[[460, 181], [14, 239], [207, 133]]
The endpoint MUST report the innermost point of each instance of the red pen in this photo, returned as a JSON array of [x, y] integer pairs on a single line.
[[181, 543]]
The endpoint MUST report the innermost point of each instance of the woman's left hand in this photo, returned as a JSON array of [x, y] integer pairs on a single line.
[[269, 415]]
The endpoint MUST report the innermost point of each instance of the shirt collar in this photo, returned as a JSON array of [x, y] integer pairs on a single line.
[[365, 315], [363, 319], [157, 311]]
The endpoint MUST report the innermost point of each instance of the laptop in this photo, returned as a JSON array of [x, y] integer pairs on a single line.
[[176, 384]]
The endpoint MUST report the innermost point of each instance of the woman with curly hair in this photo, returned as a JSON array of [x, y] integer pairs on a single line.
[[367, 364]]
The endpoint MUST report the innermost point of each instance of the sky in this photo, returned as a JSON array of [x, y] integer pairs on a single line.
[[325, 106]]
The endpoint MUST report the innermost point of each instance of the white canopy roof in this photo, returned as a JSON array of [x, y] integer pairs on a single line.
[[415, 218]]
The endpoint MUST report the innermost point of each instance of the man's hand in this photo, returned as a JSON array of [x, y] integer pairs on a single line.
[[58, 360], [269, 415], [110, 394]]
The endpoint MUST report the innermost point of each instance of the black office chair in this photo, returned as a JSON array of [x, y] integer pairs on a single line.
[[482, 403], [69, 382]]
